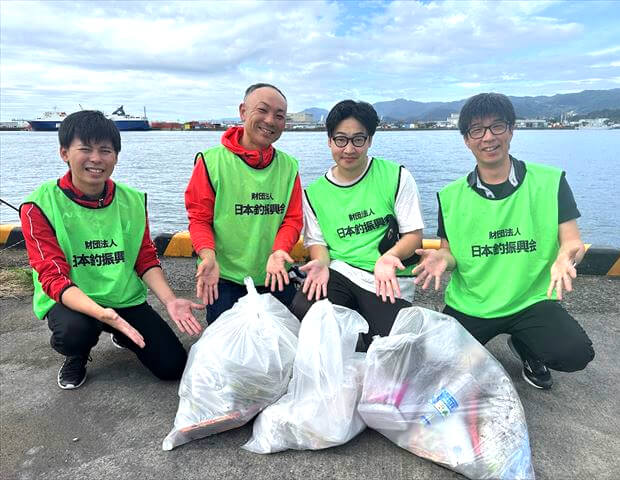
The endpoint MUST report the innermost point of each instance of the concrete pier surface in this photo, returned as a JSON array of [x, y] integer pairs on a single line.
[[112, 427]]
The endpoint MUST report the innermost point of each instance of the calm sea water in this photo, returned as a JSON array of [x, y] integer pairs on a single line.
[[160, 163]]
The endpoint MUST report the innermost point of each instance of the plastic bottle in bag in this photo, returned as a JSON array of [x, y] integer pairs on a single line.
[[432, 389]]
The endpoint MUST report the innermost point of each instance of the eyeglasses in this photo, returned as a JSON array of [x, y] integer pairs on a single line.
[[496, 128], [342, 141]]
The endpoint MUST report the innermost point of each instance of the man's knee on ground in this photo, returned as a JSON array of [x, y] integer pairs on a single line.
[[171, 368], [572, 358], [76, 338]]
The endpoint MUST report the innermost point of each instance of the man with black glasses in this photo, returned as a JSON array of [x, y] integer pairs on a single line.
[[508, 231], [362, 224]]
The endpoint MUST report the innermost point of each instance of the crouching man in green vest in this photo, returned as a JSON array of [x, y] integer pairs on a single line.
[[92, 256], [509, 234], [362, 224]]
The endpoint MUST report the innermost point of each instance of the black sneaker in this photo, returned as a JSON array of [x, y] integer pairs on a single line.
[[115, 341], [72, 373], [534, 371]]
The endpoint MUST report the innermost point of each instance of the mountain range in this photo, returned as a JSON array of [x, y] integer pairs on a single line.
[[525, 107]]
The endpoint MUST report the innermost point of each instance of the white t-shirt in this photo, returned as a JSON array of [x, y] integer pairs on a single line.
[[408, 215]]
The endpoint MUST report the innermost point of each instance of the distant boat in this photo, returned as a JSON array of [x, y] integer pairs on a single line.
[[594, 127], [594, 124], [50, 121], [126, 122]]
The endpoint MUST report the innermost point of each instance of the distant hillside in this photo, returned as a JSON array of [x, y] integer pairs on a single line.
[[581, 103], [611, 114]]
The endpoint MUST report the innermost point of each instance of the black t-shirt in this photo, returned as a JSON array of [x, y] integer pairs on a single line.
[[567, 207]]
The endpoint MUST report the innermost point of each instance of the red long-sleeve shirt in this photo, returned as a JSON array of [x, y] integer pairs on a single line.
[[200, 198], [44, 252]]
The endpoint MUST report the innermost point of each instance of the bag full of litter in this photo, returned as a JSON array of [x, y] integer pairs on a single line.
[[434, 390], [241, 363], [319, 409]]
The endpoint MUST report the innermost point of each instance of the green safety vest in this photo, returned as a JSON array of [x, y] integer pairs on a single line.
[[250, 205], [504, 248], [101, 245], [352, 218]]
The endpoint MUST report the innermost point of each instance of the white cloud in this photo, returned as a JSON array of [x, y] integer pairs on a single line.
[[605, 51], [194, 59], [606, 65]]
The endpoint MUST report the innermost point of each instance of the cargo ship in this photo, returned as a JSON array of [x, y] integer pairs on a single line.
[[50, 121], [126, 122]]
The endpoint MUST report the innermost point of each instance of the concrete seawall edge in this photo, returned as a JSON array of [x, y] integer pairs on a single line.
[[597, 260]]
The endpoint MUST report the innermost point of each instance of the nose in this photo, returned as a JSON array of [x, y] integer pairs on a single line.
[[95, 156], [349, 147], [270, 119], [487, 135]]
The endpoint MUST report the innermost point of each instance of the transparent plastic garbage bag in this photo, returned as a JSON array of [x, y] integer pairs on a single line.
[[319, 409], [434, 390], [241, 363]]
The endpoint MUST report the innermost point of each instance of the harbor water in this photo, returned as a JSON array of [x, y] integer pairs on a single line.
[[160, 163]]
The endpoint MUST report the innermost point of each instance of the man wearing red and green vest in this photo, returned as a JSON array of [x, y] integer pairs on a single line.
[[243, 202], [509, 234], [362, 224], [92, 257]]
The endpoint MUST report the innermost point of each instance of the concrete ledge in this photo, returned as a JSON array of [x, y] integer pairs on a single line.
[[600, 261], [180, 245], [11, 236], [597, 261]]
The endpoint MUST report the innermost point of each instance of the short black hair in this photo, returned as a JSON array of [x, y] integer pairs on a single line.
[[486, 105], [363, 112], [256, 86], [89, 126]]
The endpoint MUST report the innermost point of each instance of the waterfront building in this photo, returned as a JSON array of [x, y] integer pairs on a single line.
[[593, 123], [453, 120], [531, 123], [299, 118]]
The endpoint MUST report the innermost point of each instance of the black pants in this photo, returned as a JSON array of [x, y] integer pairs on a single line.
[[544, 331], [74, 333], [229, 292], [380, 315]]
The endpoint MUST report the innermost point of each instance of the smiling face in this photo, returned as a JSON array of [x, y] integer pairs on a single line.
[[263, 113], [490, 150], [91, 164], [350, 160]]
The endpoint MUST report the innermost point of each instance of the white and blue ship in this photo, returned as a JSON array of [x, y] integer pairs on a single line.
[[50, 121]]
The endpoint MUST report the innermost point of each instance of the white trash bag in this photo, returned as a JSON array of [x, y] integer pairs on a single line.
[[434, 390], [241, 363], [320, 408]]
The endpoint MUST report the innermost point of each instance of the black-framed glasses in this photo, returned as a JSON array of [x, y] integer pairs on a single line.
[[342, 141], [496, 128]]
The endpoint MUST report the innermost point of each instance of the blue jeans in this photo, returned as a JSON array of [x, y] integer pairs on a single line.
[[229, 292]]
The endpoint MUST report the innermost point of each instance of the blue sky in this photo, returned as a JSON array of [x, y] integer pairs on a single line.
[[193, 60]]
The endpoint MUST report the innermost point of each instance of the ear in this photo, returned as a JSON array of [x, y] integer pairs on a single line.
[[369, 141], [329, 141], [64, 154], [242, 111], [466, 140]]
